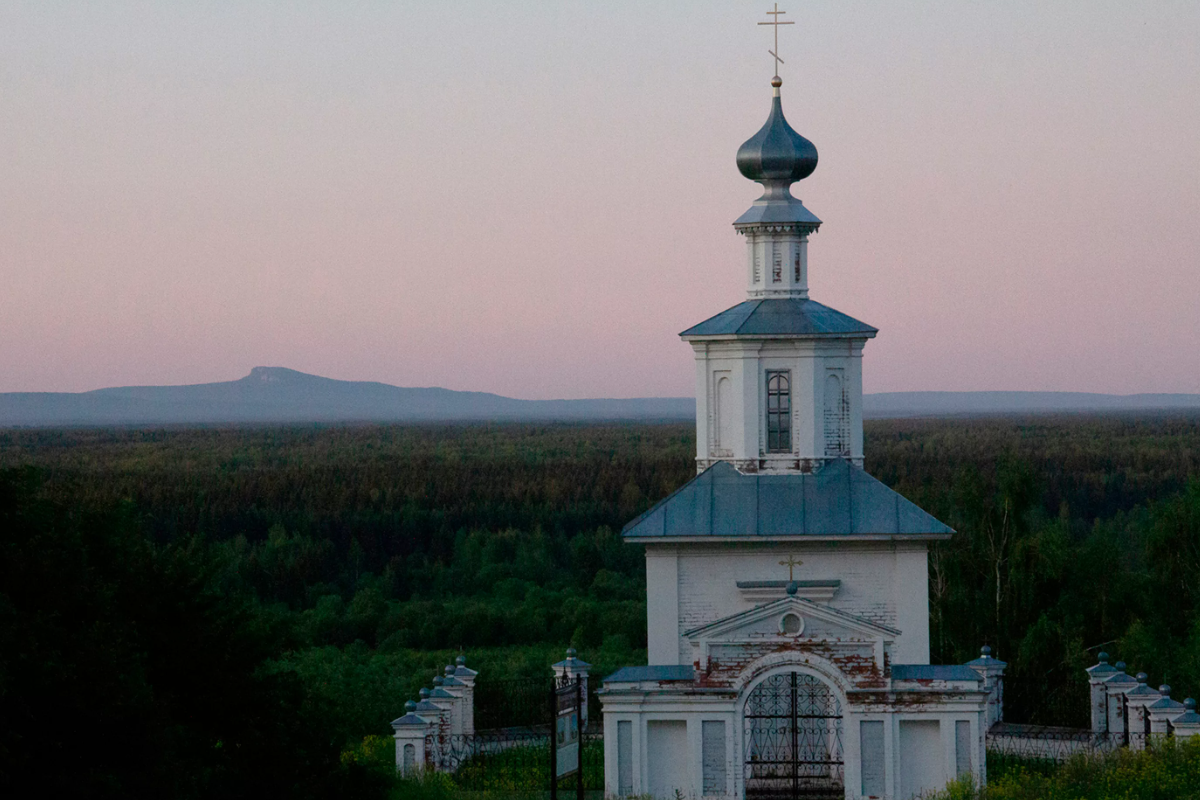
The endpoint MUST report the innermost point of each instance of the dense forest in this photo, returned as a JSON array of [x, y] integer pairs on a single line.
[[188, 584]]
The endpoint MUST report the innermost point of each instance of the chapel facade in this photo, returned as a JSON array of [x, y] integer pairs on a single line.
[[787, 589]]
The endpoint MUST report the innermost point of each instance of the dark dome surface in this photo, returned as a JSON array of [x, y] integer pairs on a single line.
[[776, 152]]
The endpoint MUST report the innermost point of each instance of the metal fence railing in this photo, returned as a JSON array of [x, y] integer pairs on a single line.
[[522, 703], [1036, 702], [512, 703], [1009, 743], [511, 761]]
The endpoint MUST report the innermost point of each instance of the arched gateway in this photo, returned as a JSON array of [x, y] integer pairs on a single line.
[[793, 739]]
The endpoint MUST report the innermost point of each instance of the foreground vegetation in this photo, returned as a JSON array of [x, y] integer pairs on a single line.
[[240, 608], [1167, 771]]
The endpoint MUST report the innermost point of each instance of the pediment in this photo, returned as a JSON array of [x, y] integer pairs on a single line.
[[776, 620]]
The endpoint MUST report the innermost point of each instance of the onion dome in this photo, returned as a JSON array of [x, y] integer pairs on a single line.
[[777, 154]]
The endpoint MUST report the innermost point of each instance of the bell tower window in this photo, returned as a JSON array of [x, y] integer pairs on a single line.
[[779, 412]]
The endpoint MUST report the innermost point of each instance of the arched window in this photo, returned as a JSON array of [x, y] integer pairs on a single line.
[[779, 412], [724, 414]]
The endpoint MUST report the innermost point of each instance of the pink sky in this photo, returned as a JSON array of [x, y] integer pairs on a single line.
[[535, 200]]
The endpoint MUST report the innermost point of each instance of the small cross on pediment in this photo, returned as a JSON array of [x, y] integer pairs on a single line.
[[791, 563]]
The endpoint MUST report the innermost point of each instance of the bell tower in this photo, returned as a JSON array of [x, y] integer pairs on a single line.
[[779, 376]]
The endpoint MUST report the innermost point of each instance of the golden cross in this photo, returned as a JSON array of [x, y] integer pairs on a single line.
[[776, 23], [791, 563]]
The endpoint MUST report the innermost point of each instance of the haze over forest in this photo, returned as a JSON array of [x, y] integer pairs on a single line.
[[277, 394]]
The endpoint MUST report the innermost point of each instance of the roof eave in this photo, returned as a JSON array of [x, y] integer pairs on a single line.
[[796, 537], [688, 337]]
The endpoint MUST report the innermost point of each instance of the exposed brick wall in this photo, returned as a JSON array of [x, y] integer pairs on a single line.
[[855, 661]]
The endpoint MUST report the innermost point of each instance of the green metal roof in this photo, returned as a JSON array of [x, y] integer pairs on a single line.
[[839, 499], [784, 316], [666, 672], [934, 672]]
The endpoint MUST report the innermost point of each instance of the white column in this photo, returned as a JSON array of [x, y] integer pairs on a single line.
[[1187, 724], [1115, 687], [705, 422], [992, 672], [466, 699], [662, 605], [912, 607], [1164, 711], [410, 730], [854, 388], [751, 393], [1097, 675]]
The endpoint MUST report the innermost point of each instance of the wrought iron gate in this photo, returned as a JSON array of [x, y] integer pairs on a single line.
[[793, 748]]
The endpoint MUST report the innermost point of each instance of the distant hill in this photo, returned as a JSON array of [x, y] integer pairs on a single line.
[[275, 394]]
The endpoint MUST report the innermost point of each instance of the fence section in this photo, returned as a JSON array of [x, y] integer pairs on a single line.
[[509, 752], [1006, 741], [511, 761], [518, 703], [1036, 702]]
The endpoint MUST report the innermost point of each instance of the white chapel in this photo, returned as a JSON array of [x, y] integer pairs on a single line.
[[788, 611]]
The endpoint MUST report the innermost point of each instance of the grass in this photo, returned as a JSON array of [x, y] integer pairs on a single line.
[[518, 773], [1168, 770]]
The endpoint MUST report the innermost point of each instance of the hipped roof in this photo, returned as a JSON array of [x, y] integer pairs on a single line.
[[838, 500]]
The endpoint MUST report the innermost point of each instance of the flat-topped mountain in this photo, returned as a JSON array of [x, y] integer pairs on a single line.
[[277, 394]]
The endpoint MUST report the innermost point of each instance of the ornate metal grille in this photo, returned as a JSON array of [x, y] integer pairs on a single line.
[[793, 729]]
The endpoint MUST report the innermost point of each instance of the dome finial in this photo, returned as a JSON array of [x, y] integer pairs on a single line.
[[775, 23], [777, 156]]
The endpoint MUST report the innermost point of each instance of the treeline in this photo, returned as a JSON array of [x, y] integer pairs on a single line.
[[361, 558], [1075, 535], [424, 536]]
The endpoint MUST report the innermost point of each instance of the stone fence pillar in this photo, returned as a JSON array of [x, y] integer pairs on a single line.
[[1097, 675], [439, 726], [1187, 724], [1115, 687], [448, 709], [466, 695], [450, 702], [992, 672], [571, 668], [1162, 711], [1137, 700], [462, 673], [410, 732]]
